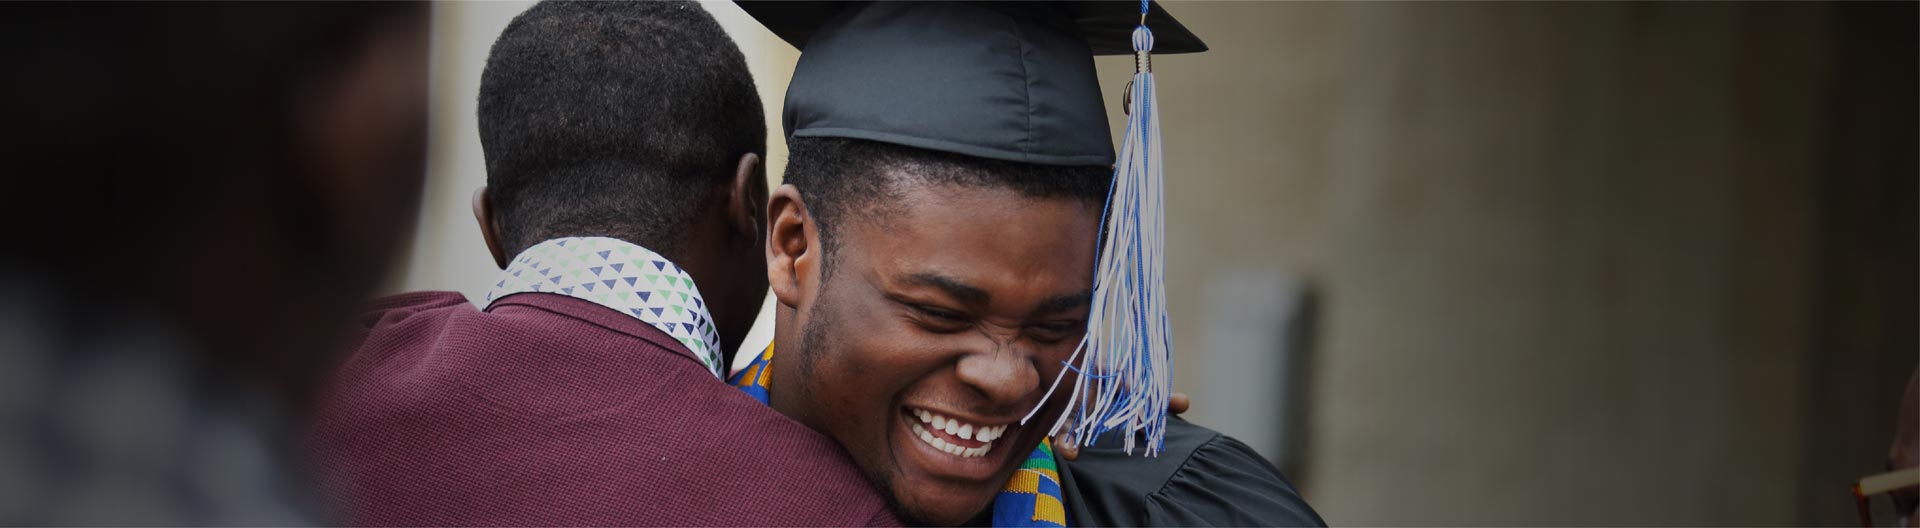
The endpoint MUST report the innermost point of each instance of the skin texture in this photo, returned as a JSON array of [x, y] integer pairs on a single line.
[[920, 312], [722, 250]]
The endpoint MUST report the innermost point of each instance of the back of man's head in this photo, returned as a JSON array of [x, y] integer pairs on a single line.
[[612, 119]]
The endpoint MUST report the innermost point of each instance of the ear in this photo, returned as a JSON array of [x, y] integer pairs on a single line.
[[483, 213], [793, 247], [746, 197]]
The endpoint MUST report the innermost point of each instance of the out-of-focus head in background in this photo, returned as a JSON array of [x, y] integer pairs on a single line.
[[242, 172], [196, 197]]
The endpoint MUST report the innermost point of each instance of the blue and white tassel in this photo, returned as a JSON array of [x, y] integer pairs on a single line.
[[1125, 360]]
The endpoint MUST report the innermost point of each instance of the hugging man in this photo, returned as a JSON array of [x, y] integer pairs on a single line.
[[624, 198]]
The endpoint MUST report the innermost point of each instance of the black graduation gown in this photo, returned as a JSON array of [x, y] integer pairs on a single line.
[[1204, 478]]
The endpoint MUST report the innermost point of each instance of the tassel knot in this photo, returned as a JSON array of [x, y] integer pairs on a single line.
[[1142, 39]]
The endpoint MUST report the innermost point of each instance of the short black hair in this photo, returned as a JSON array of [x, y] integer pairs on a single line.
[[612, 119], [854, 178]]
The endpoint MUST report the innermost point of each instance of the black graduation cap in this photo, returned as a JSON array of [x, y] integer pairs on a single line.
[[1010, 81]]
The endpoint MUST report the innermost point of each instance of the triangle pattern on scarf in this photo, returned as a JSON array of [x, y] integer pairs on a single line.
[[596, 269]]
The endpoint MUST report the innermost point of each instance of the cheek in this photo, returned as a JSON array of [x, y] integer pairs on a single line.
[[850, 376], [868, 366]]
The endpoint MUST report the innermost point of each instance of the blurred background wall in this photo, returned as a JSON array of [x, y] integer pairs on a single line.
[[1493, 263]]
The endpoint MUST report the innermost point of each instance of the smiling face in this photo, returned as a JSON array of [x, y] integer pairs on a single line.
[[936, 329]]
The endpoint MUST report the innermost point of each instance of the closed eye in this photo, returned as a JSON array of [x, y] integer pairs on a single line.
[[941, 319], [1055, 331]]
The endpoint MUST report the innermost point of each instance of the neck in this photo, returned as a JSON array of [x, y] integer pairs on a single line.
[[787, 342], [732, 279]]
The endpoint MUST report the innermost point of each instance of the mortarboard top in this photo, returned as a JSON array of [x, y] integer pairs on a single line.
[[1107, 25], [1011, 81]]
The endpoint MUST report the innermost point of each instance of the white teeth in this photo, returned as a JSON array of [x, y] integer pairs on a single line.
[[925, 417], [939, 422], [986, 435], [966, 432]]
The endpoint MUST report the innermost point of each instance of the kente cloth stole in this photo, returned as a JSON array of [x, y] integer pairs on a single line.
[[1031, 498]]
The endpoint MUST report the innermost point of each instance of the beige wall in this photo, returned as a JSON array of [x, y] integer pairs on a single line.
[[447, 252], [1563, 252]]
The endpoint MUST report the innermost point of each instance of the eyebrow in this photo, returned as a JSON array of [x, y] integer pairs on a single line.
[[1061, 303], [964, 292], [972, 295]]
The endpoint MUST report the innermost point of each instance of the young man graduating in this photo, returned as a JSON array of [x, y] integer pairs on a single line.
[[934, 257], [625, 185]]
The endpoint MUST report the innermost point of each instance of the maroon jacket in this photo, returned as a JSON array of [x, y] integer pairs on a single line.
[[549, 410]]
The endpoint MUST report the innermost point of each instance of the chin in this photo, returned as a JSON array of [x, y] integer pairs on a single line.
[[939, 487], [945, 509]]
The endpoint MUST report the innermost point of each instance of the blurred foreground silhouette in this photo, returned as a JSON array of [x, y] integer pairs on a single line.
[[199, 196]]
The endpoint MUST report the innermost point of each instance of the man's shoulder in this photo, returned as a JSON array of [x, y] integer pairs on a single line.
[[529, 356], [538, 412], [443, 326], [417, 300], [409, 308], [776, 467], [1181, 486]]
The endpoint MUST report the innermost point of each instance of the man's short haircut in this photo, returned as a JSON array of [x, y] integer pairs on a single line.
[[853, 178], [612, 119]]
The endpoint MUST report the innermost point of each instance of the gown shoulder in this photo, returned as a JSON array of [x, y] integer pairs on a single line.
[[1203, 478]]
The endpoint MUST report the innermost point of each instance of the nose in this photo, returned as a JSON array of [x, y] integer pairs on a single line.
[[1005, 374]]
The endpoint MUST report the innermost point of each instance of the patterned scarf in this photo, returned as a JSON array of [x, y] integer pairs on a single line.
[[1031, 497], [630, 279]]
